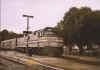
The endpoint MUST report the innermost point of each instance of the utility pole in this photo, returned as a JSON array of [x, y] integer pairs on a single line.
[[27, 32]]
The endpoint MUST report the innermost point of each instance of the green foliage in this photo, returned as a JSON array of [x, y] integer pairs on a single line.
[[73, 23], [91, 31], [5, 35], [80, 26]]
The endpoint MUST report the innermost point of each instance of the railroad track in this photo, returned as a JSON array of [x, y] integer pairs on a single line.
[[6, 64], [23, 63]]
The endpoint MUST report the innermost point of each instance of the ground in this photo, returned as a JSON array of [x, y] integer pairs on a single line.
[[65, 63]]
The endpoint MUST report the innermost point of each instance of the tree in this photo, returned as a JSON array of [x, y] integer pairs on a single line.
[[91, 30], [5, 35], [72, 26]]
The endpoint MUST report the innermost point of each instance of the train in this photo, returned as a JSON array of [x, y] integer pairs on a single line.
[[42, 42]]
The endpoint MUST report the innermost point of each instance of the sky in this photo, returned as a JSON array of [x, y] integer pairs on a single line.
[[47, 13]]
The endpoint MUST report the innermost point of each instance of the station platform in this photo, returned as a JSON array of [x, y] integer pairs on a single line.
[[66, 63]]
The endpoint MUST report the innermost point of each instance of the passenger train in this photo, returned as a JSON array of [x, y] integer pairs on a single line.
[[40, 41]]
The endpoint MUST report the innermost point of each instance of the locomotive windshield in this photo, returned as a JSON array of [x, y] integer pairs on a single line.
[[49, 34]]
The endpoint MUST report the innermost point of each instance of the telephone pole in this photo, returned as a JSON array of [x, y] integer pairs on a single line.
[[27, 32]]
